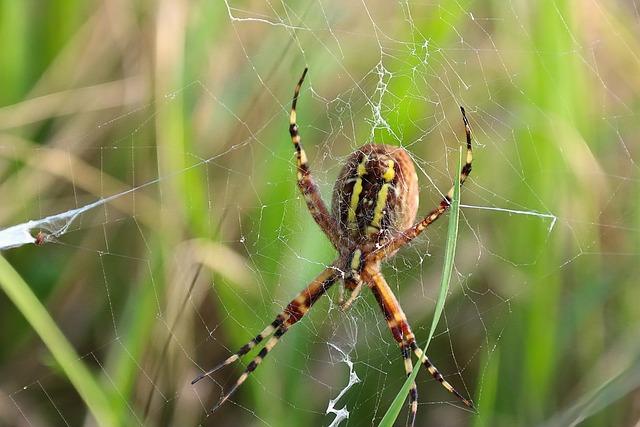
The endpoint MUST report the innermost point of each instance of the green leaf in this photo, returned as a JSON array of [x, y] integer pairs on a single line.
[[36, 314], [450, 249]]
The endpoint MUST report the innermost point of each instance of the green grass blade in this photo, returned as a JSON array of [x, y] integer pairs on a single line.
[[450, 249], [32, 309]]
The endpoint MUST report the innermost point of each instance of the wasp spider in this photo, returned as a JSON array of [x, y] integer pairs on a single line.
[[375, 201]]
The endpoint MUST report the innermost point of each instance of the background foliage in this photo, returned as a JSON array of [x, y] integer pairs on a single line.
[[99, 97]]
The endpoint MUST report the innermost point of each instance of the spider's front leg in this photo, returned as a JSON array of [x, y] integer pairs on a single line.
[[292, 313], [401, 331], [351, 279], [355, 285], [397, 323]]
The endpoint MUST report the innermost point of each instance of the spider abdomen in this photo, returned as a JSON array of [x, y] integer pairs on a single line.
[[376, 193]]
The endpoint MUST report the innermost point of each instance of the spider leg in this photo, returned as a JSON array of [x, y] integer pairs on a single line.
[[412, 232], [245, 348], [292, 313], [401, 331], [437, 375], [354, 293], [307, 185], [397, 322], [413, 391]]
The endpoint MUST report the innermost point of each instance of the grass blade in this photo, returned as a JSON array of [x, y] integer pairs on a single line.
[[450, 249], [36, 314]]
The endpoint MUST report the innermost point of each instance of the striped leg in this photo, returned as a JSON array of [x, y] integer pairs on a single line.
[[437, 375], [294, 311], [307, 186], [401, 331], [396, 320], [412, 232], [413, 391]]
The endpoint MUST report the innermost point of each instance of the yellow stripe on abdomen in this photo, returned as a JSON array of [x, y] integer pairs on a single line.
[[355, 195], [381, 202]]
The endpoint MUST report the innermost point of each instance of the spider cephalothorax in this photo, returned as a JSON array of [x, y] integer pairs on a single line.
[[375, 201]]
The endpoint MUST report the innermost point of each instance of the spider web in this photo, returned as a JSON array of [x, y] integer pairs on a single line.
[[153, 158]]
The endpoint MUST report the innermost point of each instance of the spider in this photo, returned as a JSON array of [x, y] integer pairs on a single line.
[[375, 201]]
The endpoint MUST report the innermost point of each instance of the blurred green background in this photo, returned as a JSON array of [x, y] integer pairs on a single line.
[[187, 102]]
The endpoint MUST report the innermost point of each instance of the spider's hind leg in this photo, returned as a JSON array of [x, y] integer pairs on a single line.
[[307, 185]]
